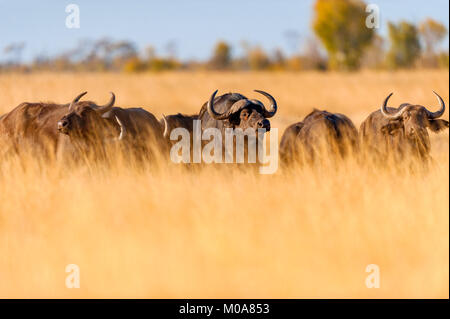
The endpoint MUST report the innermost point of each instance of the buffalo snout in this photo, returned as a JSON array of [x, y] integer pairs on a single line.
[[265, 124], [63, 126]]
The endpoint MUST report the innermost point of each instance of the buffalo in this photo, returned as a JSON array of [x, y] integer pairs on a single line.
[[401, 131], [33, 126], [170, 122], [217, 115], [91, 126], [243, 116], [320, 136]]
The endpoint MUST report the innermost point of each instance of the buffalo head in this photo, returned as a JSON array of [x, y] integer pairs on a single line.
[[245, 113], [84, 119], [412, 121]]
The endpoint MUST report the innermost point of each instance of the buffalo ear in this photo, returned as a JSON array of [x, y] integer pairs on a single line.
[[438, 125], [393, 127]]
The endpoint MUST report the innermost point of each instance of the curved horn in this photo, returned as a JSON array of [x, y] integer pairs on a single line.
[[123, 130], [435, 115], [105, 108], [273, 107], [76, 99], [385, 111], [212, 112], [166, 127]]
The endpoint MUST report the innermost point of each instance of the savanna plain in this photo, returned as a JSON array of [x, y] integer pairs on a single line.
[[164, 231]]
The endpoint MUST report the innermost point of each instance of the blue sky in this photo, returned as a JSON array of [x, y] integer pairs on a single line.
[[194, 25]]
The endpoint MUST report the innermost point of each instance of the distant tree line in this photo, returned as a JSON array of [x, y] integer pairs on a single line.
[[341, 41]]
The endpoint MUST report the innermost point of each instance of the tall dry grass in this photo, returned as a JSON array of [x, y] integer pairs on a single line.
[[170, 232]]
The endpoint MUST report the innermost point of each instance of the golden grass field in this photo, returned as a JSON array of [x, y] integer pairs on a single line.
[[173, 233]]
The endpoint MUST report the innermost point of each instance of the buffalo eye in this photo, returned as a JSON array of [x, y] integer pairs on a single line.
[[244, 114]]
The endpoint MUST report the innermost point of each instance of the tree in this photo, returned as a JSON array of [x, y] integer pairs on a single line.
[[257, 59], [221, 58], [432, 33], [15, 51], [341, 27], [311, 56], [150, 52], [121, 53], [133, 64], [278, 60], [404, 45], [443, 60], [374, 55]]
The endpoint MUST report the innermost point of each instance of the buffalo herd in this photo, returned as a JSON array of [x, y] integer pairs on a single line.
[[82, 126]]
